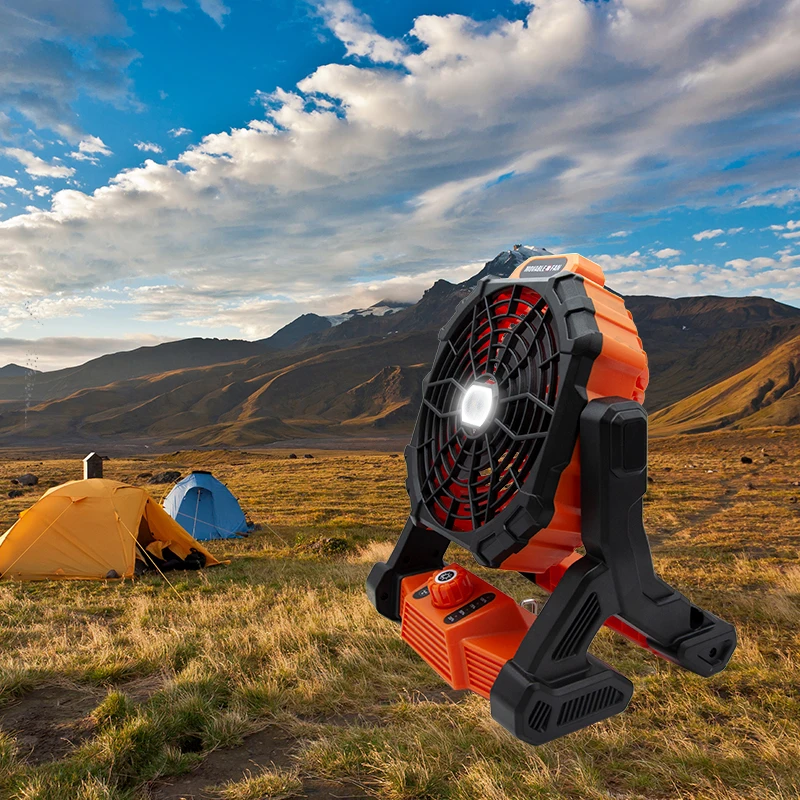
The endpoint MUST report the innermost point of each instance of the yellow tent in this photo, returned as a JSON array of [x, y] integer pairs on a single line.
[[86, 529]]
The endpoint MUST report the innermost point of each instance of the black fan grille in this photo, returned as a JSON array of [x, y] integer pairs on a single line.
[[465, 479]]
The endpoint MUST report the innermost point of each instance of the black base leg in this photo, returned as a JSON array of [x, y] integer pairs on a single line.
[[417, 550], [552, 686], [613, 483]]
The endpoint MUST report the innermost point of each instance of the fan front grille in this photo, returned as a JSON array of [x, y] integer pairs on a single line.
[[507, 338]]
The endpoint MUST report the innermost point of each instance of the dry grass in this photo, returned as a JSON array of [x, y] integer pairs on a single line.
[[267, 784], [284, 638]]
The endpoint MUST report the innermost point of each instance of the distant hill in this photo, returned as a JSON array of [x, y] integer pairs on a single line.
[[107, 369], [693, 342], [363, 374], [767, 393], [297, 330], [260, 399], [16, 371]]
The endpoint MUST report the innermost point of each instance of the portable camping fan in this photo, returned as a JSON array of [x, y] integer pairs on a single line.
[[530, 443]]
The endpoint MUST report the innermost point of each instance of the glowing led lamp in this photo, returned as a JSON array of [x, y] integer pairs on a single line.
[[477, 405]]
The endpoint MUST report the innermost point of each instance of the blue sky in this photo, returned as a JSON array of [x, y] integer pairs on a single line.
[[176, 168]]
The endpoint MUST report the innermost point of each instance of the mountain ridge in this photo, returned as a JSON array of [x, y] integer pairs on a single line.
[[314, 379]]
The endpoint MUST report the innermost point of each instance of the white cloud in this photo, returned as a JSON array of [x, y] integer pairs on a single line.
[[720, 244], [25, 192], [668, 252], [614, 263], [709, 234], [42, 191], [776, 197], [619, 235], [38, 167], [791, 225], [46, 308], [89, 149], [738, 277], [356, 33], [216, 9], [148, 147], [6, 181], [362, 172], [78, 156], [3, 205], [734, 231], [176, 132], [94, 145]]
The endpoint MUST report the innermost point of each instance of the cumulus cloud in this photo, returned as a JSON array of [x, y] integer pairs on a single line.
[[789, 229], [94, 144], [619, 234], [7, 181], [148, 147], [611, 263], [356, 33], [737, 277], [89, 148], [36, 166], [178, 132], [668, 252], [709, 234], [465, 142]]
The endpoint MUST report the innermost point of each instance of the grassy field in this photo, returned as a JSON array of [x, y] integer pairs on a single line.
[[274, 678]]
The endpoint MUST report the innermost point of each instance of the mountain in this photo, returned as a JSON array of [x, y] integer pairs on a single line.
[[297, 330], [505, 263], [165, 357], [280, 395], [379, 309], [431, 312], [308, 330], [362, 375], [693, 342], [16, 371], [767, 393]]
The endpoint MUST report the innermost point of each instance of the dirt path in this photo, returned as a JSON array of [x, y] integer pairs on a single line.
[[268, 748], [50, 721]]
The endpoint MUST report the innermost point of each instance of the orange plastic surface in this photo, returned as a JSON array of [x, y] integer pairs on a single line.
[[469, 652], [620, 370], [450, 588]]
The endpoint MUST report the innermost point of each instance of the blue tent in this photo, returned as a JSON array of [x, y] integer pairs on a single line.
[[205, 508]]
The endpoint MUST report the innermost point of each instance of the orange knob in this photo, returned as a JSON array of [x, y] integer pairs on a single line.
[[450, 587]]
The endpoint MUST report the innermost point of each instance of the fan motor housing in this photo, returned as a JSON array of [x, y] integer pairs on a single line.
[[552, 337]]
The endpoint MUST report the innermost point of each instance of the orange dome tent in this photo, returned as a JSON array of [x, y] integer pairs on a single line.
[[90, 529]]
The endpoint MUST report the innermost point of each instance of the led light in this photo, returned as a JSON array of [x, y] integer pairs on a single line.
[[477, 405]]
